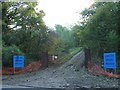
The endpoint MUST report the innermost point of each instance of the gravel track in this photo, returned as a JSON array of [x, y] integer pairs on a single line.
[[70, 75]]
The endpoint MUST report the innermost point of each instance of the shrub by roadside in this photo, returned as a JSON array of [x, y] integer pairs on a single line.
[[8, 53]]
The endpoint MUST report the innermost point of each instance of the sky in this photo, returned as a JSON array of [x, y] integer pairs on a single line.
[[64, 12]]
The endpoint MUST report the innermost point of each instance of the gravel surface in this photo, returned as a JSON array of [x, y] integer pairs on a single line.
[[70, 75]]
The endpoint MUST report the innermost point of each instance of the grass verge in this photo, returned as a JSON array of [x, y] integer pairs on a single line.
[[71, 53]]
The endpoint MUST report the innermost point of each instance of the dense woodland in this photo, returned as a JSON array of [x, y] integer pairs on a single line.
[[25, 33]]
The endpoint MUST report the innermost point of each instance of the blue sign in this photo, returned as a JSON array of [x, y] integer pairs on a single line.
[[109, 60], [18, 61]]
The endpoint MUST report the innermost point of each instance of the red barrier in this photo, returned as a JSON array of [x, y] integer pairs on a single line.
[[97, 70], [29, 68]]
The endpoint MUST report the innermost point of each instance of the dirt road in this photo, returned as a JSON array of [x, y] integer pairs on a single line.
[[72, 74]]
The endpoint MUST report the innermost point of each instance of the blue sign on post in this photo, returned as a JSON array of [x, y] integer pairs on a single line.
[[18, 61], [110, 60]]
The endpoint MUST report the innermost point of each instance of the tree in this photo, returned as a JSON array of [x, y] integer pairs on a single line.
[[66, 36], [24, 27], [100, 33], [76, 29]]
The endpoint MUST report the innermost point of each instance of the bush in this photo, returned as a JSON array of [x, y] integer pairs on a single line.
[[8, 53]]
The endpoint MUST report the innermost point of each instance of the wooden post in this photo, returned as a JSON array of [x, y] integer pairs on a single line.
[[87, 56], [45, 59]]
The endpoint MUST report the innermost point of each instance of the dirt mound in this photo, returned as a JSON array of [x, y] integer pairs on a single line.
[[29, 68], [97, 70]]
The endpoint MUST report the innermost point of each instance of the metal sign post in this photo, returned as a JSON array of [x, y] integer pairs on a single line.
[[110, 61]]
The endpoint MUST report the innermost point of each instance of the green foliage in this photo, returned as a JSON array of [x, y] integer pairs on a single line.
[[99, 33], [28, 32], [8, 53], [22, 15], [53, 44], [70, 54], [76, 29], [66, 36]]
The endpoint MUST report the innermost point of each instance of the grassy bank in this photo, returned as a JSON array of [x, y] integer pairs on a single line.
[[70, 54]]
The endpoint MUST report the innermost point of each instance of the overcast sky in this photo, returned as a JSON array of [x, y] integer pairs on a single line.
[[64, 12]]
